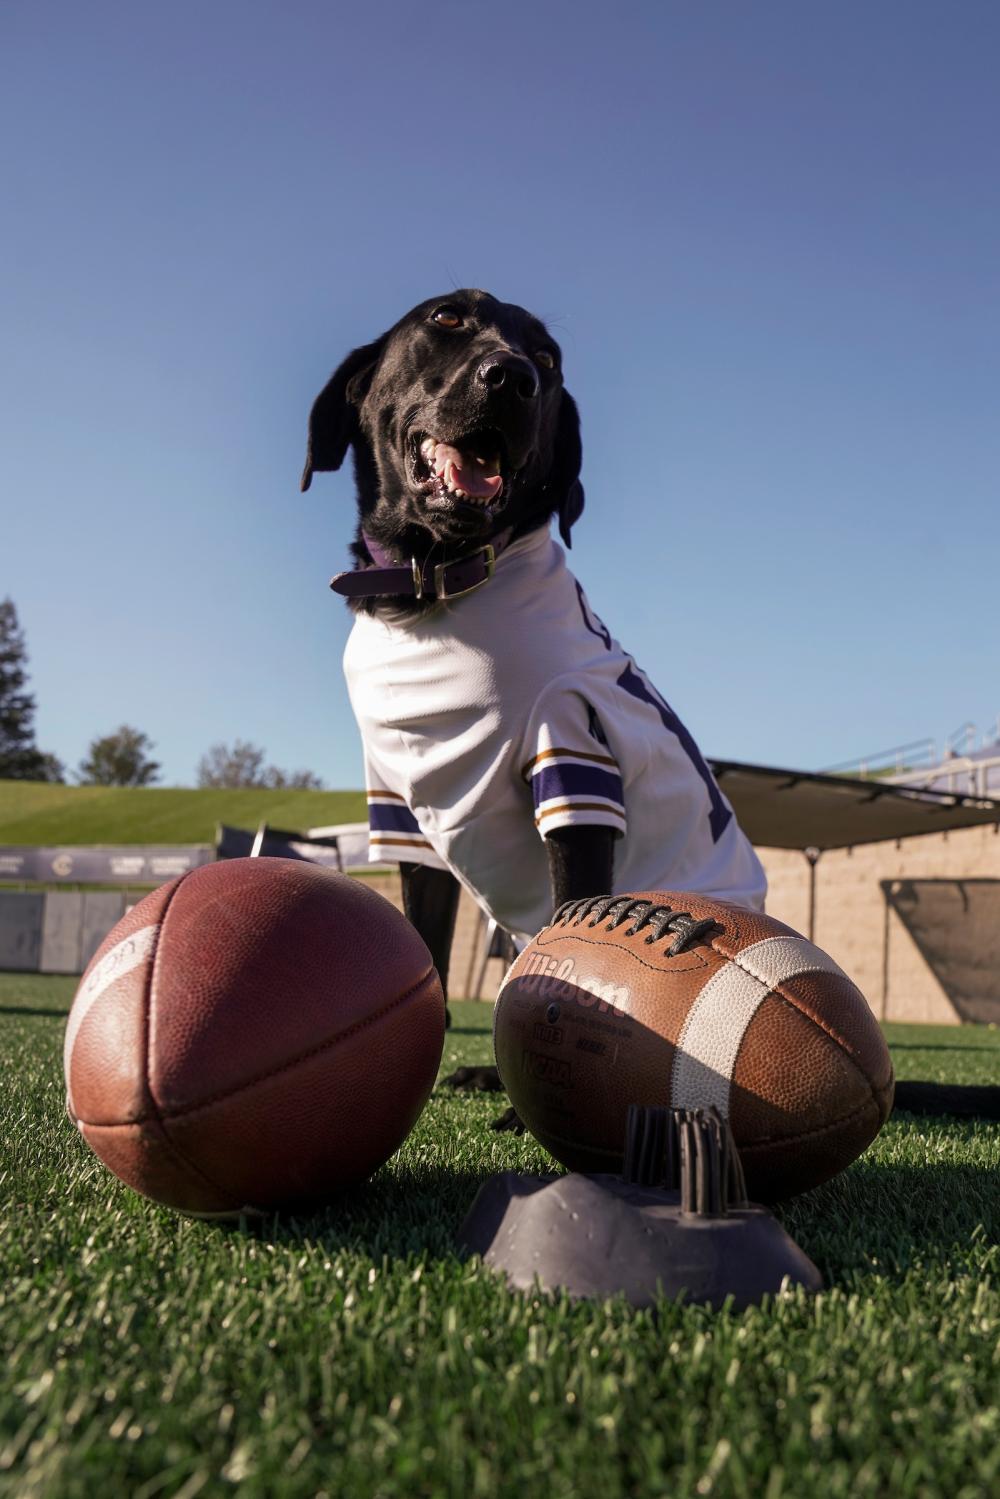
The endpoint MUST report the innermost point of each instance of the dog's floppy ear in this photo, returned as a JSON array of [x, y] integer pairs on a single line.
[[333, 418], [564, 481]]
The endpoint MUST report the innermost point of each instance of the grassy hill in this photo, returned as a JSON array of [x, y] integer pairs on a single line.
[[33, 812]]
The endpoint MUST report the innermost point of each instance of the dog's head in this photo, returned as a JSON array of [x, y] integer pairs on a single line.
[[460, 426]]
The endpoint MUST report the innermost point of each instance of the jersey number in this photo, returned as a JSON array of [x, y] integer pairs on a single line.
[[634, 682]]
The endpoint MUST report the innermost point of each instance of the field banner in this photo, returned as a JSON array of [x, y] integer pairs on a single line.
[[122, 864], [344, 846]]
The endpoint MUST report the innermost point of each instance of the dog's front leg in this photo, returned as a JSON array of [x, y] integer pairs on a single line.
[[581, 863], [430, 902]]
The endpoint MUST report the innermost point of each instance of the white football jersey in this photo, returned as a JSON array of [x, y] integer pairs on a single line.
[[492, 720]]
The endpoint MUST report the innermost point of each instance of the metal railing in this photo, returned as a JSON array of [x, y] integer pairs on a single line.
[[910, 764], [960, 775], [901, 757]]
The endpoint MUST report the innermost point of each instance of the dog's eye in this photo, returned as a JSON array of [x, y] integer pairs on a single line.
[[447, 317], [545, 358]]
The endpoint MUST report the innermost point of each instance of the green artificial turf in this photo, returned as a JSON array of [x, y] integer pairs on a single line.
[[35, 813], [353, 1353]]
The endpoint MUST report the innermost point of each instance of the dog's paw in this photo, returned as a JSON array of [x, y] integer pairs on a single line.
[[474, 1079], [509, 1122]]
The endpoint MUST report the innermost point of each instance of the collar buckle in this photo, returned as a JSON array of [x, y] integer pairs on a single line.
[[488, 555]]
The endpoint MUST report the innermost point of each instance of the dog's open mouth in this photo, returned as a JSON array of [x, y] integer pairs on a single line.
[[470, 470]]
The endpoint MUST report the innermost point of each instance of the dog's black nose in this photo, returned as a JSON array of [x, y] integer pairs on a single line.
[[512, 372]]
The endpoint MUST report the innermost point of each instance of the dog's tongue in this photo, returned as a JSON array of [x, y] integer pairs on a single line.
[[462, 471]]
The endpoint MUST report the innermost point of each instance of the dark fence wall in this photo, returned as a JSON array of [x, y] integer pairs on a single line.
[[55, 931], [955, 925], [22, 918]]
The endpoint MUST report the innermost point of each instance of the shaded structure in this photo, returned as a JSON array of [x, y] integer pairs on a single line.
[[814, 812]]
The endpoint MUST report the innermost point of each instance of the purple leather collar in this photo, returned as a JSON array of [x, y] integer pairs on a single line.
[[420, 580]]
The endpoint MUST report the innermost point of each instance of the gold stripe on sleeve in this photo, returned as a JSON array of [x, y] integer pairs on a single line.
[[580, 807], [552, 754]]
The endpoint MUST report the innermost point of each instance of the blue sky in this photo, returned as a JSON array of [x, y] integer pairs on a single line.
[[767, 238]]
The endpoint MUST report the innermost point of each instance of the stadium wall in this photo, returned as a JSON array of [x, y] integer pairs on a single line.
[[856, 922], [56, 931]]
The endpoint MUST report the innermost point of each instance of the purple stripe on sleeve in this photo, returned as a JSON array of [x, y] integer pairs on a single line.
[[391, 817], [571, 779]]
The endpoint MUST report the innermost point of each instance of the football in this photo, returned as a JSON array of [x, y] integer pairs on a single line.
[[256, 1034], [680, 1000]]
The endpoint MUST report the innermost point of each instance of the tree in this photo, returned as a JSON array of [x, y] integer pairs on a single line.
[[242, 764], [20, 757], [292, 780], [50, 768], [119, 759]]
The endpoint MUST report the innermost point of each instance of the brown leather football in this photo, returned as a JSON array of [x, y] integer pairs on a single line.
[[680, 1000], [256, 1034]]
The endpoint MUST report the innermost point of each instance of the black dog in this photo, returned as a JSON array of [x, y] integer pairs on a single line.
[[482, 378]]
